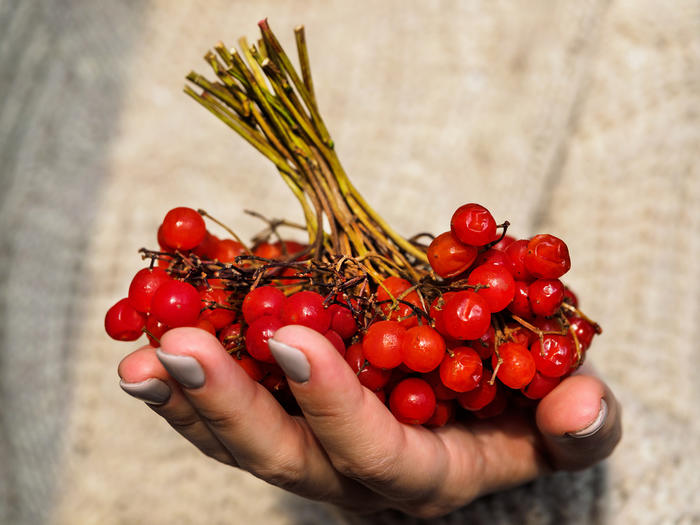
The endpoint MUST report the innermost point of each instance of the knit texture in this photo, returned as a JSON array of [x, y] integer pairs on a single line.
[[577, 118]]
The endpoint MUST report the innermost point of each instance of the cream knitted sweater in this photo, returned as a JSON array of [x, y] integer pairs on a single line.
[[578, 118]]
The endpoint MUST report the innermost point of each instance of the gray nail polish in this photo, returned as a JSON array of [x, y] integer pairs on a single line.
[[291, 360], [184, 369], [596, 425], [152, 391]]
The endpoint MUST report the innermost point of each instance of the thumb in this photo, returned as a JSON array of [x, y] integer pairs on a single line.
[[580, 421]]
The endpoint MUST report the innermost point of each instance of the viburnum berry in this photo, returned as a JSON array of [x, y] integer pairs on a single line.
[[263, 300], [154, 331], [517, 366], [545, 296], [381, 345], [422, 348], [584, 331], [553, 354], [307, 309], [461, 369], [258, 334], [486, 344], [369, 375], [176, 303], [466, 315], [473, 224], [216, 308], [493, 257], [498, 286], [520, 305], [412, 401], [183, 228], [540, 386], [342, 321], [479, 397], [123, 322], [444, 413], [547, 257], [227, 250], [516, 252], [207, 248], [503, 243], [441, 391], [336, 341], [448, 256], [143, 286], [392, 297], [231, 336], [250, 365]]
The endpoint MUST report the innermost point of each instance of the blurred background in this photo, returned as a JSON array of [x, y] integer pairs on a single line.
[[576, 118]]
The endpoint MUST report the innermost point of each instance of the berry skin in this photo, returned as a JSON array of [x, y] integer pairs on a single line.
[[461, 369], [176, 303], [499, 285], [545, 296], [479, 397], [547, 257], [444, 413], [369, 375], [227, 250], [263, 300], [342, 321], [214, 304], [258, 334], [336, 341], [422, 349], [412, 401], [584, 331], [143, 286], [466, 315], [540, 386], [517, 366], [251, 366], [230, 336], [123, 322], [183, 228], [474, 225], [382, 343], [449, 257], [394, 288], [554, 355], [503, 243], [521, 301], [493, 257], [154, 331], [516, 252], [307, 309]]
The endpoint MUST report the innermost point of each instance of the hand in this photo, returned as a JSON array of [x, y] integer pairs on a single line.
[[348, 449]]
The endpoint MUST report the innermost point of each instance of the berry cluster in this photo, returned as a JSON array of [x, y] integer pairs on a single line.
[[486, 322]]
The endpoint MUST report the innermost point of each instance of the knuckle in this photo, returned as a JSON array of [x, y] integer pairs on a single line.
[[376, 467], [183, 423], [284, 472]]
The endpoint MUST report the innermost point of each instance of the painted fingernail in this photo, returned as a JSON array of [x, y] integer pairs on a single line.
[[153, 391], [596, 425], [291, 360], [184, 369]]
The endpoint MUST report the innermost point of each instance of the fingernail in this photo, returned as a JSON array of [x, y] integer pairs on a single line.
[[291, 360], [153, 391], [596, 425], [184, 369]]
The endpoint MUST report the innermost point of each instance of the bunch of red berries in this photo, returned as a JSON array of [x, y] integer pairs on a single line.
[[486, 322]]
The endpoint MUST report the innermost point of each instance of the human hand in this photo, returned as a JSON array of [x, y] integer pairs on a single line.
[[348, 449]]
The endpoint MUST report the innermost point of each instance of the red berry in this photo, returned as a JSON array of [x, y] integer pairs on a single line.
[[216, 308], [369, 375], [503, 243], [540, 386], [521, 335], [381, 344], [466, 315], [176, 303], [258, 334], [342, 321], [143, 286], [473, 224], [412, 401], [336, 341], [444, 413], [227, 250], [154, 331], [441, 391], [183, 228], [422, 349], [436, 309], [486, 344], [123, 322], [570, 297], [207, 248], [545, 296], [553, 355], [206, 325], [495, 407], [521, 301], [263, 300], [230, 336], [461, 369], [517, 366], [584, 331], [493, 257], [394, 289], [499, 286], [547, 257], [307, 309], [516, 252], [448, 256], [479, 397]]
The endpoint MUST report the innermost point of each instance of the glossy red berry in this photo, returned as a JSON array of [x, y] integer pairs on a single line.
[[216, 308], [503, 243], [473, 224], [176, 303], [461, 369], [545, 296], [206, 249], [369, 375], [553, 355], [143, 286], [227, 250], [423, 348], [444, 413], [540, 386], [516, 252], [342, 321], [479, 397], [493, 257], [183, 228], [448, 256], [336, 341], [412, 401], [520, 305], [258, 334], [381, 345], [584, 331], [466, 315], [392, 298], [547, 257], [263, 300], [307, 309], [154, 331], [517, 366], [123, 322], [498, 285]]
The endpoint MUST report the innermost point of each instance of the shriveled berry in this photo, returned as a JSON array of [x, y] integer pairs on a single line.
[[461, 369], [473, 224], [520, 305], [466, 315], [547, 257], [553, 355], [448, 256], [545, 296]]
